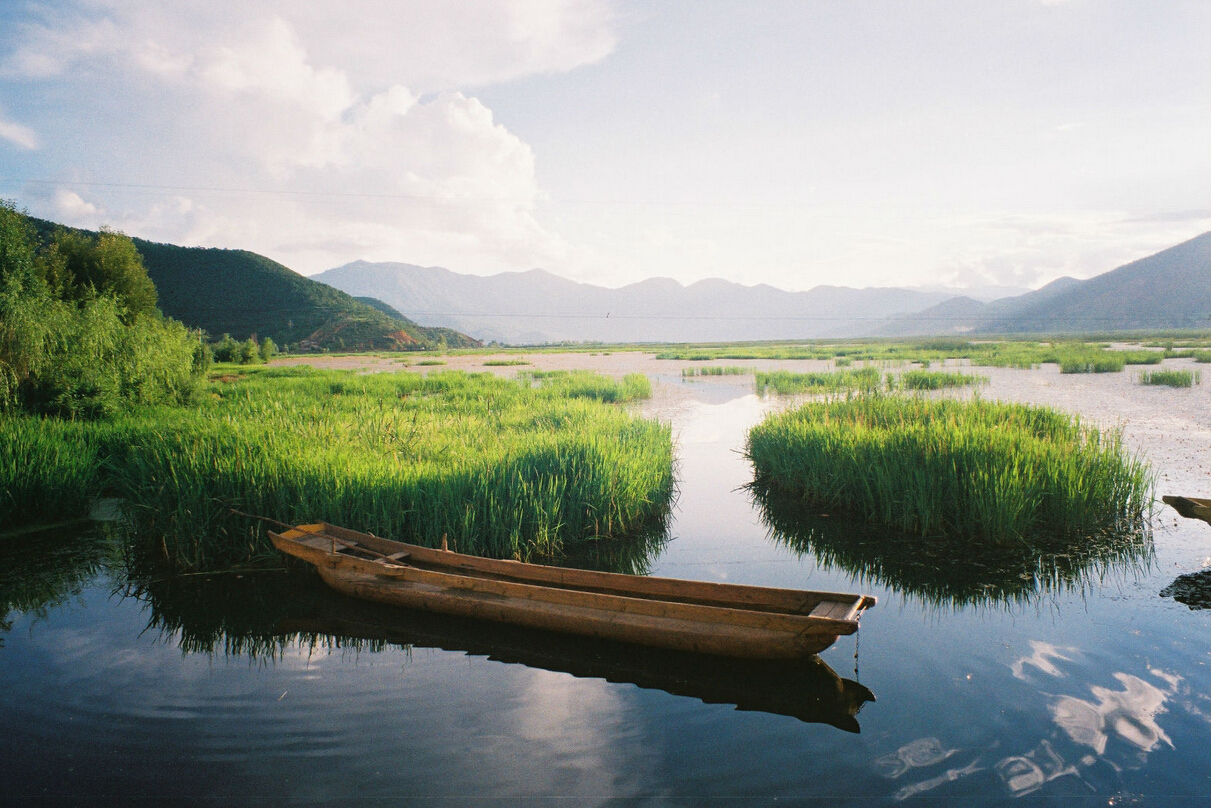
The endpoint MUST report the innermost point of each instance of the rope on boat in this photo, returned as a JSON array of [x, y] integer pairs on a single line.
[[261, 518]]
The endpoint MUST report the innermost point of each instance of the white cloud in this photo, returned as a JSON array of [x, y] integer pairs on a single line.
[[427, 46], [17, 133], [304, 127], [71, 205], [275, 63]]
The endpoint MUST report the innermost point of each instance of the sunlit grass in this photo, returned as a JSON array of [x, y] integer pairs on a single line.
[[499, 467], [986, 470]]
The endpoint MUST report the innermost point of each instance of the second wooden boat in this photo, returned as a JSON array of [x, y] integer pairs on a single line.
[[1190, 507], [702, 617]]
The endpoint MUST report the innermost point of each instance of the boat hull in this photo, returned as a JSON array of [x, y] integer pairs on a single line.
[[699, 617]]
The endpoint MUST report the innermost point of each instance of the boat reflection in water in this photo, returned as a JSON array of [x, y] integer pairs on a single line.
[[945, 572], [263, 615]]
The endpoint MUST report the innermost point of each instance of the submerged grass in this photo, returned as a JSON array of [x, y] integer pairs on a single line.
[[499, 467], [717, 370], [942, 468]]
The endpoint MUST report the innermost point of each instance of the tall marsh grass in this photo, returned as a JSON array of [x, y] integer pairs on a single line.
[[497, 466], [935, 468], [49, 469]]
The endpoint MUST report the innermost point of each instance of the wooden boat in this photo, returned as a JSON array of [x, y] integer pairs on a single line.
[[1190, 507], [701, 617]]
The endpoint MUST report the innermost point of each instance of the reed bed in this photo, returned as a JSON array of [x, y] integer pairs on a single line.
[[1171, 378], [587, 384], [1085, 360], [49, 469], [505, 363], [1072, 356], [498, 467], [1142, 357], [935, 380], [989, 471], [783, 382]]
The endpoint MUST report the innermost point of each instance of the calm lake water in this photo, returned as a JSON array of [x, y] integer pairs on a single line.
[[995, 682]]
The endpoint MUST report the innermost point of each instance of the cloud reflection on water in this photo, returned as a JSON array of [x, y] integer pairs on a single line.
[[1042, 659], [1129, 714]]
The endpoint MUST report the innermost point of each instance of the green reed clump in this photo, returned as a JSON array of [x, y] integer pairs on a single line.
[[430, 362], [49, 469], [496, 466], [1202, 357], [936, 380], [717, 370], [1142, 357], [1085, 359], [1171, 378], [782, 382], [504, 363], [587, 384], [982, 470]]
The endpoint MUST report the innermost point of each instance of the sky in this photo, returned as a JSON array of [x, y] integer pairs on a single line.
[[842, 142]]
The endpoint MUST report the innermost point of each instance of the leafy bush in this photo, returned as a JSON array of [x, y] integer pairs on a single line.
[[76, 337]]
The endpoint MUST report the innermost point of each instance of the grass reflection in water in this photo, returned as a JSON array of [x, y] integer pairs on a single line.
[[948, 572]]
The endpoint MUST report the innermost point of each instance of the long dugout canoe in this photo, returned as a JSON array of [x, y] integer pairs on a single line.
[[729, 620]]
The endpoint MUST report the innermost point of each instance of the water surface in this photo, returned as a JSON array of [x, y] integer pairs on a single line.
[[1080, 687]]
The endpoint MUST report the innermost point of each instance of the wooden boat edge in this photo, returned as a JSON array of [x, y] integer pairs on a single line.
[[646, 619]]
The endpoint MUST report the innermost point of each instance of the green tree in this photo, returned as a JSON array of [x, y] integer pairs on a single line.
[[78, 267], [268, 349], [226, 349], [17, 242], [250, 353]]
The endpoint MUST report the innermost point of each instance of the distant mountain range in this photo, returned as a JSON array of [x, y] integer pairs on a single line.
[[1169, 290], [538, 307], [243, 294]]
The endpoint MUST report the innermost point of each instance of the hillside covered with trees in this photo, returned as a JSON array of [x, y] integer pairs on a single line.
[[245, 295]]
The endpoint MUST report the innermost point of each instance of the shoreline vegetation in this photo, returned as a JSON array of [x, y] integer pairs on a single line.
[[497, 467], [940, 468]]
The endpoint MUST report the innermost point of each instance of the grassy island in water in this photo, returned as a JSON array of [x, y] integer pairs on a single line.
[[960, 469], [523, 469]]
